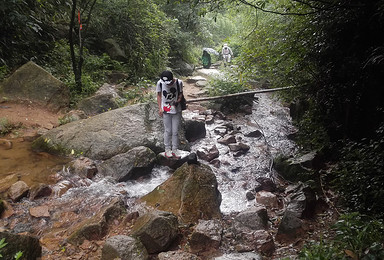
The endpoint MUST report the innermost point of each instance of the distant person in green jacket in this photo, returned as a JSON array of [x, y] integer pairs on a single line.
[[206, 59]]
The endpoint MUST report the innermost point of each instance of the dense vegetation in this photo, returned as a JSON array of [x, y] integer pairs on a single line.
[[332, 52]]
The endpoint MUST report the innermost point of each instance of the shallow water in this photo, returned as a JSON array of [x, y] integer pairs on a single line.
[[21, 163]]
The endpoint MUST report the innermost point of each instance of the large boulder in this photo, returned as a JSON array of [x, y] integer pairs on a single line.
[[190, 193], [156, 230], [33, 83], [105, 135]]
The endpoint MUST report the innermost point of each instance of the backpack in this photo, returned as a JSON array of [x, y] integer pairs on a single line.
[[183, 102]]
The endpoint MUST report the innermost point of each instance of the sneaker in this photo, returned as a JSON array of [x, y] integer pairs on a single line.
[[168, 154], [176, 154]]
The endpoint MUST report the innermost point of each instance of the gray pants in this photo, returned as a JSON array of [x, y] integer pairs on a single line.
[[171, 130]]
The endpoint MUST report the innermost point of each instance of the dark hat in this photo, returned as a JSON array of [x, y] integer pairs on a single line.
[[166, 76]]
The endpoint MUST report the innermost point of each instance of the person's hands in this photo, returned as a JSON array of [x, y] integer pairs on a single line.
[[160, 112]]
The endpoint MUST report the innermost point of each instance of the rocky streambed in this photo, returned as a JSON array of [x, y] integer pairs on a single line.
[[226, 201]]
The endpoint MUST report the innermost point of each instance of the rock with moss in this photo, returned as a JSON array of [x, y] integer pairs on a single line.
[[108, 134], [28, 245], [190, 193], [32, 83]]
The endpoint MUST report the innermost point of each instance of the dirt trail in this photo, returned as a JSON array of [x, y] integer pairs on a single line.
[[30, 115]]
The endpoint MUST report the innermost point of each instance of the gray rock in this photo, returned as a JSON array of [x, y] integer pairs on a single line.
[[194, 130], [255, 218], [290, 227], [105, 135], [208, 154], [133, 164], [156, 230], [124, 248], [83, 167], [32, 83]]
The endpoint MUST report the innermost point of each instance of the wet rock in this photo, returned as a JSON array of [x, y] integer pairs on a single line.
[[175, 163], [221, 130], [255, 218], [206, 236], [191, 193], [96, 227], [177, 255], [208, 154], [239, 256], [18, 190], [209, 119], [133, 164], [267, 199], [238, 147], [300, 168], [156, 230], [29, 245], [124, 248], [302, 200], [192, 158], [266, 184], [255, 134], [228, 139], [290, 227], [61, 187], [38, 212], [39, 190], [194, 130], [83, 167], [5, 144], [31, 82], [215, 162], [250, 195]]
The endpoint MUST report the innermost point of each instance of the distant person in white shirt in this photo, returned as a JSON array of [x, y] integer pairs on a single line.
[[227, 53]]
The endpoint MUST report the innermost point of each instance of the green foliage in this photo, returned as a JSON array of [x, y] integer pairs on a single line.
[[139, 28], [2, 245], [6, 127], [229, 84], [359, 175], [3, 72], [356, 237], [17, 256]]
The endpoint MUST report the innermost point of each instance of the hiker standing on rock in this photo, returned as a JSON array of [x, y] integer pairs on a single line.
[[169, 95]]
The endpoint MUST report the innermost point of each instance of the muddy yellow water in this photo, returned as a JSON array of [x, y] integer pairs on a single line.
[[19, 162]]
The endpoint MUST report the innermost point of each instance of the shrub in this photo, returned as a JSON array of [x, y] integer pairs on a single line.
[[359, 175], [357, 237]]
